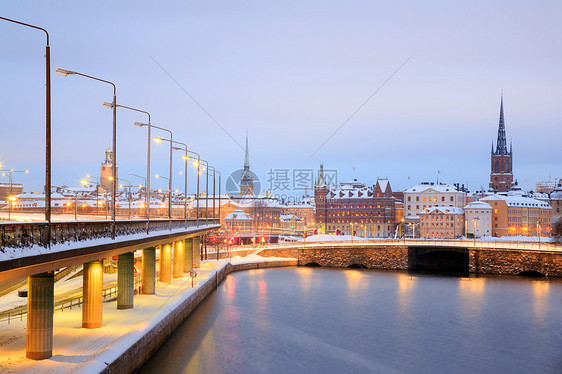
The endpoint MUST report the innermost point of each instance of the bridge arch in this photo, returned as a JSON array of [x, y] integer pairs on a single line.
[[313, 265], [356, 266], [438, 259], [532, 273]]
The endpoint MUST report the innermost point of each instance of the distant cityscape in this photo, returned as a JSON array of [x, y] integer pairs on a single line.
[[427, 209]]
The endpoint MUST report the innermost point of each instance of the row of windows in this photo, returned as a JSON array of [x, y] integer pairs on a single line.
[[426, 206], [430, 198]]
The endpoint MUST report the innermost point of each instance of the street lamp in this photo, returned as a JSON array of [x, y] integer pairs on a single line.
[[206, 191], [149, 125], [66, 73], [169, 195], [146, 193], [474, 231], [219, 212], [121, 186], [186, 158], [147, 179], [47, 188], [85, 181], [11, 197]]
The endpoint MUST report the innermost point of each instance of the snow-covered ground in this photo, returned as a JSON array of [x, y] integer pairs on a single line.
[[333, 238], [83, 350]]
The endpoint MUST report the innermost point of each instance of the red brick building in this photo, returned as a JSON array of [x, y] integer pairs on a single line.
[[353, 207]]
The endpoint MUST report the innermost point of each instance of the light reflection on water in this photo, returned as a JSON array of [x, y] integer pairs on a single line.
[[317, 320]]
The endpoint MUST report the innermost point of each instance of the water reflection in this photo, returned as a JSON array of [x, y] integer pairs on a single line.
[[541, 294], [318, 320]]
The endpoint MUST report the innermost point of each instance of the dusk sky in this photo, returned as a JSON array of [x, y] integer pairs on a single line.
[[291, 73]]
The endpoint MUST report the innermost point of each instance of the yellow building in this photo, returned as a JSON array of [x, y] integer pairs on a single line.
[[441, 222], [515, 215]]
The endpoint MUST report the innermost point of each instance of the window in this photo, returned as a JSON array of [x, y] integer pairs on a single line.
[[442, 198], [409, 198], [417, 198], [451, 198]]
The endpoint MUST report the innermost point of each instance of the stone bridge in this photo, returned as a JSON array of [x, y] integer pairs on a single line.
[[420, 255]]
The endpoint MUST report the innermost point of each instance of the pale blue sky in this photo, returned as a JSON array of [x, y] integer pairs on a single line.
[[291, 72]]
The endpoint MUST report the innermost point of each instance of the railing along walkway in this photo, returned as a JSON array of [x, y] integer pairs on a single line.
[[27, 234]]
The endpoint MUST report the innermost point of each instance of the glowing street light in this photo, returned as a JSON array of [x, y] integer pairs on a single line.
[[47, 126], [65, 73], [147, 179]]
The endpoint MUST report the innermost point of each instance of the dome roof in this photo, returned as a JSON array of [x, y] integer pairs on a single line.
[[238, 215]]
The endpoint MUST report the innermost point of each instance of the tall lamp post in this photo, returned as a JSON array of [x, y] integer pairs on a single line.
[[147, 179], [66, 73], [146, 194], [12, 197], [186, 158], [215, 171], [129, 186], [85, 181], [140, 124], [47, 126], [168, 194], [206, 191], [474, 224]]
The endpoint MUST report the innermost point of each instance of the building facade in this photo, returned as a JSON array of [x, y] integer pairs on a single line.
[[516, 215], [441, 222], [429, 195], [478, 219], [353, 208], [501, 175]]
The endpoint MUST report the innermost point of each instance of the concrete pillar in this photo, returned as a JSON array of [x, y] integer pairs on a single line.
[[125, 280], [178, 259], [40, 308], [166, 263], [188, 255], [196, 252], [149, 271], [92, 288]]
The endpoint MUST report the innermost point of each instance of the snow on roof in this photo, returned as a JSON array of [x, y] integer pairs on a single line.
[[436, 187], [478, 205], [518, 201], [383, 183], [442, 210], [238, 215]]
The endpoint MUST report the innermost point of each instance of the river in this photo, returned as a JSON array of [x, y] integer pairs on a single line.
[[320, 320]]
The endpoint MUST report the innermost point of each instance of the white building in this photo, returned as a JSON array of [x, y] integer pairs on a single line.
[[478, 218], [428, 195]]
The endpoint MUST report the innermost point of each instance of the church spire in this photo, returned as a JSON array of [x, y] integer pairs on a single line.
[[501, 145], [247, 155]]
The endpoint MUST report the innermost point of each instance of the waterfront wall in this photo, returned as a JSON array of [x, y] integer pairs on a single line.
[[480, 260], [143, 348], [514, 262]]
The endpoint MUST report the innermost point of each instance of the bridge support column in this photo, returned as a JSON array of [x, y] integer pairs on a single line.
[[92, 288], [149, 271], [125, 280], [40, 308], [196, 252], [188, 255], [178, 258], [166, 263]]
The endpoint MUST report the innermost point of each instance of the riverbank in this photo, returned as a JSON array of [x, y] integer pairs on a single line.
[[128, 337]]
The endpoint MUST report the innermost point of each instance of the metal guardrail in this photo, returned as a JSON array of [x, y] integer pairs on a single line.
[[108, 295], [27, 234], [466, 243]]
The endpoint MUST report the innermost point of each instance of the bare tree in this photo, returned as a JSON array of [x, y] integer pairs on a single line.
[[557, 230]]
